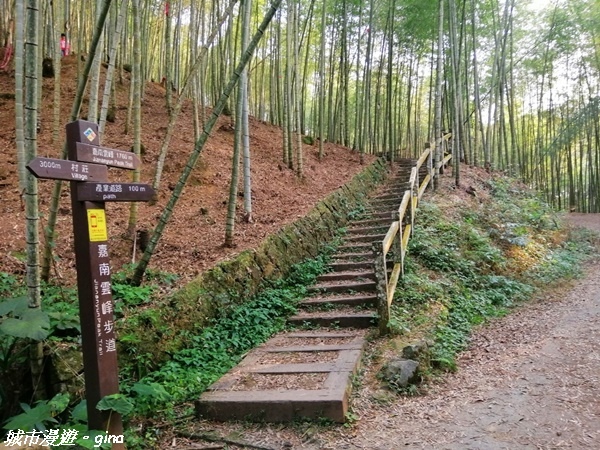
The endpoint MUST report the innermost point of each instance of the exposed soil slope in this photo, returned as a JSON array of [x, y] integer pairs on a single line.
[[194, 237]]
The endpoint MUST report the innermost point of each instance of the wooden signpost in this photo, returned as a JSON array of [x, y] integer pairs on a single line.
[[61, 169], [107, 156], [114, 192], [90, 189]]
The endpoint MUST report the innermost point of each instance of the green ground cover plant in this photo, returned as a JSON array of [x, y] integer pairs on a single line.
[[469, 267], [464, 267], [211, 352]]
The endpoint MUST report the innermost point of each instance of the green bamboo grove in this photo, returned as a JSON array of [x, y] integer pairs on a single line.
[[516, 83], [519, 84]]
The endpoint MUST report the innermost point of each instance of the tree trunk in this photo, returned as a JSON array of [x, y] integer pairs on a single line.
[[32, 58], [95, 76], [108, 84], [241, 136], [244, 117], [53, 214], [439, 147], [137, 109], [199, 146], [321, 119]]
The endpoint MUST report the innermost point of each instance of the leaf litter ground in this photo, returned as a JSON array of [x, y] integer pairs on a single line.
[[193, 239]]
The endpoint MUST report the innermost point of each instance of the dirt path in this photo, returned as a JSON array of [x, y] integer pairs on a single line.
[[530, 380]]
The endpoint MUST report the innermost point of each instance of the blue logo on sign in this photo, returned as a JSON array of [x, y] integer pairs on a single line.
[[89, 133]]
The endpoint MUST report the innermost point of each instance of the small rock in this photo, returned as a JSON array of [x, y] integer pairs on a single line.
[[416, 350], [471, 191], [401, 372]]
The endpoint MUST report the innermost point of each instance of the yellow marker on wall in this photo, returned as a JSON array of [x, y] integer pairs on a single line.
[[97, 225]]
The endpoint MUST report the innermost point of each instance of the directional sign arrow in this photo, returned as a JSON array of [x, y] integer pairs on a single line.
[[108, 156], [114, 192], [62, 169]]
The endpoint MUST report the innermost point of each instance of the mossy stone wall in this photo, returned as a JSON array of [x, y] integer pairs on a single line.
[[235, 280]]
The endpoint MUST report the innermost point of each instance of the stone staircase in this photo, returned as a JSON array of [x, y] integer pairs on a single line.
[[307, 374]]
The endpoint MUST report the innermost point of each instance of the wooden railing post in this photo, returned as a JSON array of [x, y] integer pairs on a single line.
[[417, 180], [430, 170], [413, 207], [398, 252], [437, 163], [383, 308]]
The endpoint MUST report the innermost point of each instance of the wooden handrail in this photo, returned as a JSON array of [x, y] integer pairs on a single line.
[[413, 177], [393, 281], [404, 205], [399, 233], [423, 158], [424, 185], [388, 240]]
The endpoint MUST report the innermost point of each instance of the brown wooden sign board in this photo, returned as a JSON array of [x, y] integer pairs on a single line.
[[114, 192], [107, 156], [62, 169]]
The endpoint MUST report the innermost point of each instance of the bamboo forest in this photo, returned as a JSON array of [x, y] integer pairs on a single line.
[[287, 145], [515, 82]]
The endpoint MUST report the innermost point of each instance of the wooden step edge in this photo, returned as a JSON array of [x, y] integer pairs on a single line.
[[348, 300], [342, 287], [347, 274], [358, 320]]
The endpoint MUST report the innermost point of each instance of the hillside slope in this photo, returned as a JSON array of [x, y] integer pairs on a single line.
[[194, 237]]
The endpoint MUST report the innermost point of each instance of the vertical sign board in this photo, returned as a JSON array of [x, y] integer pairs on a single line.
[[94, 291]]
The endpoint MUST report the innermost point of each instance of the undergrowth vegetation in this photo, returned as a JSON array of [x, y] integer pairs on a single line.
[[145, 392], [468, 265], [464, 267]]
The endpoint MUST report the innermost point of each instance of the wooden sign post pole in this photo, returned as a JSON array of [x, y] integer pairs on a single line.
[[87, 171], [95, 295]]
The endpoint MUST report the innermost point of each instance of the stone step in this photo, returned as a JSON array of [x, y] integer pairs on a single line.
[[364, 238], [352, 265], [349, 300], [379, 221], [383, 215], [239, 395], [384, 205], [352, 257], [373, 229], [383, 211], [388, 196], [398, 181], [352, 247], [376, 210]]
